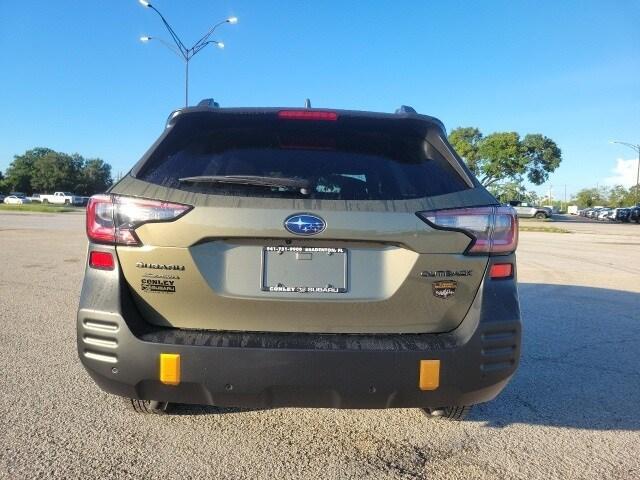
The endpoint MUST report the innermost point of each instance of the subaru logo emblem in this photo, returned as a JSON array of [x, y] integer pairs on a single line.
[[304, 224]]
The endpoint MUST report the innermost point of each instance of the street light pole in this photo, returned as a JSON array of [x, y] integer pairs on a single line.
[[180, 49], [186, 83], [635, 147]]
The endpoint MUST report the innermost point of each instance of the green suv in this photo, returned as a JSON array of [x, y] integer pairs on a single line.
[[300, 258]]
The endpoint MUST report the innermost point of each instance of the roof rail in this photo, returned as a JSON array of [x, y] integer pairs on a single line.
[[406, 109], [208, 102]]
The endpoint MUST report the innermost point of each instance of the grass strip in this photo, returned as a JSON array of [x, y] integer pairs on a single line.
[[36, 207], [527, 228]]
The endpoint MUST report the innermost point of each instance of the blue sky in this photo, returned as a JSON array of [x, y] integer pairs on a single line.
[[76, 78]]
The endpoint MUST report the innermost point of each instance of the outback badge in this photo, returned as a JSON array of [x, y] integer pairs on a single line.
[[444, 288]]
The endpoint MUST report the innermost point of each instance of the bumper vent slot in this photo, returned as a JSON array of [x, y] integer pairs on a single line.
[[101, 357], [100, 341], [497, 336], [100, 325], [497, 366], [498, 350]]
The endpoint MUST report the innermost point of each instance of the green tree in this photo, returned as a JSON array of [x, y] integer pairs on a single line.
[[589, 197], [500, 157], [20, 171], [532, 198], [504, 156], [633, 196], [3, 184], [618, 196], [95, 177], [542, 157], [466, 141], [56, 171], [45, 170], [507, 192]]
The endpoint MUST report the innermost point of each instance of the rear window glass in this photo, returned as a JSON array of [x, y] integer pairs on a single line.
[[336, 163]]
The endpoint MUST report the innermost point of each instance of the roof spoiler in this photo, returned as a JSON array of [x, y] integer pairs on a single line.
[[405, 109], [208, 102]]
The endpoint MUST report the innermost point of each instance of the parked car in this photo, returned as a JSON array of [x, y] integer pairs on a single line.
[[603, 214], [584, 212], [619, 215], [573, 210], [623, 215], [16, 199], [525, 210], [35, 198], [634, 214], [271, 257], [61, 198], [593, 212], [2, 197]]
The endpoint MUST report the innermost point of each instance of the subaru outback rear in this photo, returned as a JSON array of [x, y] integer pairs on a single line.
[[300, 257]]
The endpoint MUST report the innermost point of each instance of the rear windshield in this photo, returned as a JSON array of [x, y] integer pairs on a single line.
[[337, 163]]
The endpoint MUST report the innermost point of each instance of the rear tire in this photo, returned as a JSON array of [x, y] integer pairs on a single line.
[[45, 201], [452, 414], [541, 216], [148, 406]]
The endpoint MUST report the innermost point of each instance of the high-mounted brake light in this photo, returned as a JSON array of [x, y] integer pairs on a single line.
[[307, 115], [494, 230], [112, 219]]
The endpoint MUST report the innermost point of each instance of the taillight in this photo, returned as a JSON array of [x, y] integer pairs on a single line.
[[492, 229], [112, 219], [308, 115]]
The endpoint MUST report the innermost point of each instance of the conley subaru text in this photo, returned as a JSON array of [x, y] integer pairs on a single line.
[[282, 257]]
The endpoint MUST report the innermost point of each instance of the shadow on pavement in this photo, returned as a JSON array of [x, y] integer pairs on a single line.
[[184, 409], [580, 364]]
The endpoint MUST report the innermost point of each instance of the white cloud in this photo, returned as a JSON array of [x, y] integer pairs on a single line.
[[624, 173]]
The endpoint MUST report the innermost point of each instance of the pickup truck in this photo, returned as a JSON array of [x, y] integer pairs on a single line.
[[61, 198], [524, 210]]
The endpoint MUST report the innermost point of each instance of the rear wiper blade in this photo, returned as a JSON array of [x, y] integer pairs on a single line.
[[284, 182]]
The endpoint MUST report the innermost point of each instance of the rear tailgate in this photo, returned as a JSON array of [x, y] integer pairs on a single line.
[[230, 263]]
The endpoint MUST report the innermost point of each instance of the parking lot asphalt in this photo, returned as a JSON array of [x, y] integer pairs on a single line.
[[572, 410]]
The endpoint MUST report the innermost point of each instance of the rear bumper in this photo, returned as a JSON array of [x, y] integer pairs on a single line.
[[280, 377], [259, 370]]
